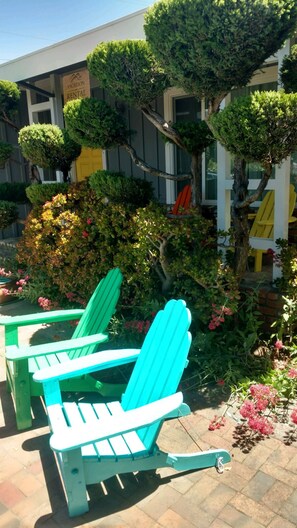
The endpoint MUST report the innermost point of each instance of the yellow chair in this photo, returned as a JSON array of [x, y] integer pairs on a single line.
[[264, 222]]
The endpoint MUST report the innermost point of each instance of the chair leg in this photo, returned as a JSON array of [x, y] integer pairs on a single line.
[[258, 260], [71, 466], [20, 384]]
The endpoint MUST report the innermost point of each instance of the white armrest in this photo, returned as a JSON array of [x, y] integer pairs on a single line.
[[74, 437], [15, 353], [86, 364]]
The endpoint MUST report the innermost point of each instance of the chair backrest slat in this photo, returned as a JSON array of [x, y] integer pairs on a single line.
[[161, 362], [99, 310], [183, 201], [266, 214]]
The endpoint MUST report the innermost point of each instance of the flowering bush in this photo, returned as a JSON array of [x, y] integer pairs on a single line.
[[263, 400], [72, 240]]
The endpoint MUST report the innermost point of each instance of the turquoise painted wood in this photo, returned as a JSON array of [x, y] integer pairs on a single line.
[[95, 441], [22, 362]]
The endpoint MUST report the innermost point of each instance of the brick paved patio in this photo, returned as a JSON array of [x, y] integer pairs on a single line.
[[260, 489]]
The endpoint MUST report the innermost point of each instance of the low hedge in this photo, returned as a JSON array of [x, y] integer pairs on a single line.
[[8, 213], [14, 192], [121, 189], [40, 194]]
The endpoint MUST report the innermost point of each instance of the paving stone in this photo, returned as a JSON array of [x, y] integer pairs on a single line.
[[8, 520], [10, 494], [158, 504], [192, 512], [292, 464], [289, 508], [259, 513], [258, 456], [258, 486], [282, 456], [174, 520], [218, 523], [217, 499], [202, 489], [237, 519], [280, 522], [277, 495], [135, 517], [279, 473]]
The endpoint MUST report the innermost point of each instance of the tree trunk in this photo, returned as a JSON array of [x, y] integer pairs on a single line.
[[65, 175], [240, 217], [196, 170]]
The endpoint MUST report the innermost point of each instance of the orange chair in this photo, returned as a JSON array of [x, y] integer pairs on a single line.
[[182, 202]]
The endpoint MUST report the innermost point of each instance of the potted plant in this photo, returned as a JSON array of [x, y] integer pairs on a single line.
[[5, 153]]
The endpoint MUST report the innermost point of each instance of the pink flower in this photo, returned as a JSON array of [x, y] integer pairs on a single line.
[[278, 344], [220, 382], [260, 424], [5, 291], [70, 296], [89, 221], [21, 282], [247, 409], [294, 416], [292, 373], [85, 234], [44, 303], [216, 423]]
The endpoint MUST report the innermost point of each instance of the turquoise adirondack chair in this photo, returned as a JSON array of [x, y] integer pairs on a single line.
[[94, 442], [22, 362]]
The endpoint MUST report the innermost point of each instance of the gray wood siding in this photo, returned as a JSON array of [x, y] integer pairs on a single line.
[[148, 145]]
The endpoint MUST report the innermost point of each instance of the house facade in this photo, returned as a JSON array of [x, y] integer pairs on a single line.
[[48, 78]]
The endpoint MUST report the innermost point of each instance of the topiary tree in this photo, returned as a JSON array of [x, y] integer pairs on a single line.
[[48, 146], [288, 71], [131, 73], [261, 128], [9, 100], [212, 47]]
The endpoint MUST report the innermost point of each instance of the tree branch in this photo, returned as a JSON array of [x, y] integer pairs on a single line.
[[6, 120], [162, 125], [261, 187], [151, 170]]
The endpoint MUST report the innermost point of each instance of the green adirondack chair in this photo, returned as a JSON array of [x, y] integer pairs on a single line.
[[94, 442], [21, 365]]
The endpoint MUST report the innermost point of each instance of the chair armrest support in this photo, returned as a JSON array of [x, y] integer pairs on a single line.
[[73, 437], [41, 317], [87, 364], [15, 353]]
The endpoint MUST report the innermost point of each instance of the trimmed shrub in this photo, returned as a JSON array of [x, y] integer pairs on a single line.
[[128, 70], [9, 97], [49, 146], [5, 152], [95, 124], [8, 213], [118, 188], [39, 194], [14, 191]]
